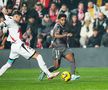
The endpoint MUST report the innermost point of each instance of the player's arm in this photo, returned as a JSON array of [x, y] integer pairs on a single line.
[[57, 35]]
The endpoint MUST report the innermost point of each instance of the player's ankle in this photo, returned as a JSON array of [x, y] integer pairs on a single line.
[[48, 75]]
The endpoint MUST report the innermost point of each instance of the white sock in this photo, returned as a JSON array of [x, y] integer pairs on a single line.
[[42, 65], [4, 68]]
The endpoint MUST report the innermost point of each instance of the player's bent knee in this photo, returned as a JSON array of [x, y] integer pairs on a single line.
[[37, 55]]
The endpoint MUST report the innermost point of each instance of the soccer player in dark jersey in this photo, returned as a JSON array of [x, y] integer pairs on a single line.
[[60, 47]]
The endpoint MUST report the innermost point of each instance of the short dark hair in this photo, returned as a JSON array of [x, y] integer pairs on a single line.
[[61, 15], [9, 7], [16, 12]]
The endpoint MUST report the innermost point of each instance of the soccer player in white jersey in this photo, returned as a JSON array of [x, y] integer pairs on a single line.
[[18, 47]]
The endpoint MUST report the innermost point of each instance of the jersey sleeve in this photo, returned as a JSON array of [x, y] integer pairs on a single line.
[[56, 29], [7, 22]]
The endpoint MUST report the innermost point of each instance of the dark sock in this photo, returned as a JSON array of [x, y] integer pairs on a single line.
[[52, 68]]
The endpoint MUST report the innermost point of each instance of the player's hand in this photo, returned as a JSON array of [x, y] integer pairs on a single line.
[[69, 35], [65, 34]]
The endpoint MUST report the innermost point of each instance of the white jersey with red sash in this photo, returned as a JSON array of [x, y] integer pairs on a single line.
[[18, 47], [15, 35]]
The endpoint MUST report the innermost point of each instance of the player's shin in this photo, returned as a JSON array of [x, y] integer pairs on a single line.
[[42, 65], [6, 66], [73, 67]]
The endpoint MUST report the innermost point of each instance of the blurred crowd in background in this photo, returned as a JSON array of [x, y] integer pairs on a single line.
[[87, 20]]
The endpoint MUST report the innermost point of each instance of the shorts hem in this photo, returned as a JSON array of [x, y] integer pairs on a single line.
[[31, 55]]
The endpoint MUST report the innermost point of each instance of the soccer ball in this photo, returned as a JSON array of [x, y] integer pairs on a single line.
[[66, 76]]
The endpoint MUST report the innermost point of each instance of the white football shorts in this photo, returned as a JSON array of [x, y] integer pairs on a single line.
[[18, 49]]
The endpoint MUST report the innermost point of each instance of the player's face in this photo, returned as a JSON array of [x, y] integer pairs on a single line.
[[62, 21], [17, 18]]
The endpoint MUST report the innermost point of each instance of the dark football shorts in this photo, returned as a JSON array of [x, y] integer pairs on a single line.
[[60, 52]]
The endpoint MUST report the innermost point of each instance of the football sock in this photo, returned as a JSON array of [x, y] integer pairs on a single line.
[[42, 65], [73, 67], [6, 66]]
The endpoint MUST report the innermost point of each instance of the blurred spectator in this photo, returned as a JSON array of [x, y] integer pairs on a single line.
[[24, 9], [17, 4], [3, 3], [104, 41], [4, 44], [53, 11], [27, 37], [104, 9], [5, 12], [46, 27], [11, 3], [39, 42], [95, 39], [58, 2], [2, 17], [23, 21], [86, 33], [74, 28], [33, 27], [92, 11], [9, 10], [3, 35], [40, 9], [101, 23], [80, 11], [64, 10], [45, 3], [37, 22], [99, 3], [71, 4]]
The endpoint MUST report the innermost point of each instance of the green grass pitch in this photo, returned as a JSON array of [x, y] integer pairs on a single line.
[[27, 79]]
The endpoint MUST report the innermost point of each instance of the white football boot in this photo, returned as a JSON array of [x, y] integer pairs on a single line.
[[53, 75], [75, 77]]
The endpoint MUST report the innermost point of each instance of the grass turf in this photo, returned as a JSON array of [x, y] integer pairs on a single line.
[[27, 79]]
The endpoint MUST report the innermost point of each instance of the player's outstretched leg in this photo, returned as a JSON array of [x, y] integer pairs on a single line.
[[51, 69], [43, 67], [6, 66]]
